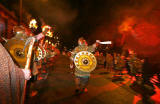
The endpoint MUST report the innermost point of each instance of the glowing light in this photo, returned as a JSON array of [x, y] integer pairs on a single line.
[[33, 24], [130, 51], [127, 25], [136, 99], [106, 42], [19, 32], [97, 41], [46, 27], [49, 33]]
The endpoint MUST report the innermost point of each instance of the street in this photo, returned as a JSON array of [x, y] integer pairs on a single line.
[[59, 88], [117, 42]]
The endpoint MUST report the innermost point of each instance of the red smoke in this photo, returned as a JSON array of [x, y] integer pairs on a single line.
[[140, 35]]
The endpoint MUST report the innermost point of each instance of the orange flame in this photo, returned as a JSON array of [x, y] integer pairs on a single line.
[[49, 33], [45, 27], [33, 24]]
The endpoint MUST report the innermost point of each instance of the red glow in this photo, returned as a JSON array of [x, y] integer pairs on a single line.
[[156, 97], [133, 79], [136, 99], [127, 25], [147, 34], [140, 35]]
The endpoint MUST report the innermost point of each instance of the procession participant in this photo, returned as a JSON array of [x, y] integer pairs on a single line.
[[39, 43], [119, 64], [44, 68], [20, 34], [71, 64], [135, 65], [35, 64], [11, 79], [81, 78], [109, 62]]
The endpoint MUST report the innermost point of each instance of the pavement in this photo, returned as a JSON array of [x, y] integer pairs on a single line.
[[103, 88]]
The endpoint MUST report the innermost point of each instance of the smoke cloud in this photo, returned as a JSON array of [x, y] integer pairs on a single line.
[[132, 22], [53, 12]]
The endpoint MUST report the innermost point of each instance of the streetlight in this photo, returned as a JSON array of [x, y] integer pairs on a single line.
[[20, 11]]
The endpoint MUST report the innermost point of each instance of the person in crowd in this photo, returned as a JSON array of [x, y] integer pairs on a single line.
[[119, 64], [20, 33], [11, 79], [81, 78], [109, 62], [135, 65]]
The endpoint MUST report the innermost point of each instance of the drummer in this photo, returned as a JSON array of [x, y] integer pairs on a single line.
[[81, 78]]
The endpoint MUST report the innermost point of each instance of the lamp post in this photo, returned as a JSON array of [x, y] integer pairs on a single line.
[[20, 11]]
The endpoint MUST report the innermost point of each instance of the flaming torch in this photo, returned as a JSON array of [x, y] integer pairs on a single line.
[[33, 24], [49, 33]]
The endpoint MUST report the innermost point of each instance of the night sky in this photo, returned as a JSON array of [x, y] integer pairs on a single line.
[[72, 18], [98, 19]]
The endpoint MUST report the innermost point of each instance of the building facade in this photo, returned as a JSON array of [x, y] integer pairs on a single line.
[[7, 21]]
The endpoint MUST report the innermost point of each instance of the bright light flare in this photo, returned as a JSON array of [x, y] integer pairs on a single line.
[[33, 24], [49, 33], [105, 42], [46, 27]]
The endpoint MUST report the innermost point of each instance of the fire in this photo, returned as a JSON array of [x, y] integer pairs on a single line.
[[46, 27], [49, 32], [33, 24], [127, 25]]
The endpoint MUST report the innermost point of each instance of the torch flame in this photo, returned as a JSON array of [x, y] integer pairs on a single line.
[[49, 33], [33, 24], [45, 27]]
